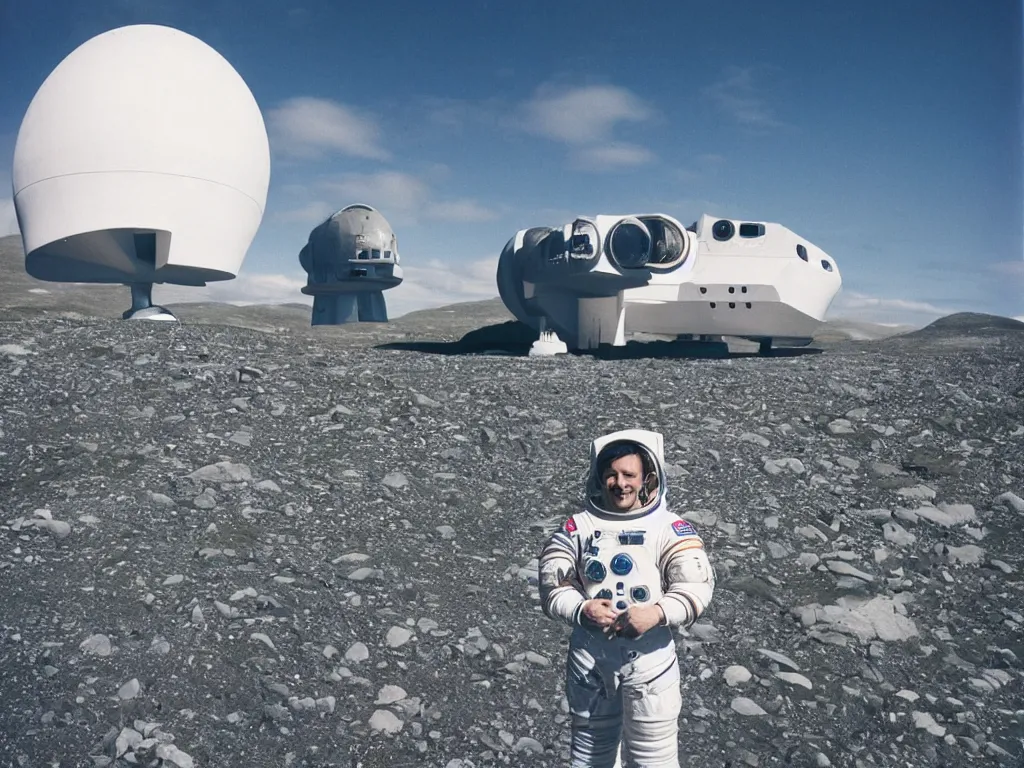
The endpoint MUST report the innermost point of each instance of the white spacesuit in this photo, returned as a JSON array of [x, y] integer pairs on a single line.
[[619, 688]]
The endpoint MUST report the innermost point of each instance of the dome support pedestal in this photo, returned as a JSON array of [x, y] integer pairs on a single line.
[[143, 307], [341, 308]]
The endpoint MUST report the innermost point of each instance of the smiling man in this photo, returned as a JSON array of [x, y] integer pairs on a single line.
[[623, 573]]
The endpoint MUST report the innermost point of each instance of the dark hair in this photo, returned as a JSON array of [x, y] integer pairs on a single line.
[[615, 451]]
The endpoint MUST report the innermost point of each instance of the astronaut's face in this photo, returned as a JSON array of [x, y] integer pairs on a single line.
[[622, 482]]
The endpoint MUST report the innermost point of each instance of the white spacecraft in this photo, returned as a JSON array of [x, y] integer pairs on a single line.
[[143, 158], [351, 259], [593, 280]]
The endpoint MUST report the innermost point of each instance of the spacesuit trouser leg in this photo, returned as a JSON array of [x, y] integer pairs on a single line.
[[650, 719], [610, 706], [595, 706]]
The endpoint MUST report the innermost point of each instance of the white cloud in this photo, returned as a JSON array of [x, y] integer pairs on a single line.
[[308, 127], [431, 284], [583, 115], [854, 300], [8, 218], [611, 157], [311, 213], [387, 190], [736, 95], [401, 197], [461, 210], [437, 283], [859, 306], [247, 288], [585, 118]]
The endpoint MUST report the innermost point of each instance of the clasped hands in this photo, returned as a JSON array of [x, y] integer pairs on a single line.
[[630, 623]]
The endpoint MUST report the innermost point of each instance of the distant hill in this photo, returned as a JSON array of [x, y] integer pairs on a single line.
[[21, 294], [488, 321], [968, 322]]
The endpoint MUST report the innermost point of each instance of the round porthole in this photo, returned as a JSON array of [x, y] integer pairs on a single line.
[[723, 229], [630, 244], [669, 246]]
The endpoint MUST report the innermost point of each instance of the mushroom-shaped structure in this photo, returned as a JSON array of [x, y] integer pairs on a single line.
[[143, 158], [351, 259]]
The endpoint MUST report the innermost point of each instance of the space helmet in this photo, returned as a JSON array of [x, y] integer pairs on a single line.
[[606, 449]]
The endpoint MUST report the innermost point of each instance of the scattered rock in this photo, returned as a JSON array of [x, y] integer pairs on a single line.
[[386, 722], [746, 707], [129, 690], [364, 585]]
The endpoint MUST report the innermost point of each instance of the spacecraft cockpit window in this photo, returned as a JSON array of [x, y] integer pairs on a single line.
[[826, 265], [630, 244], [363, 255], [376, 253], [584, 240], [801, 251], [580, 244], [387, 254], [751, 230], [669, 245]]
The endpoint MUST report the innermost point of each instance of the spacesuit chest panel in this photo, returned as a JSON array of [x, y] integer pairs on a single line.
[[620, 562]]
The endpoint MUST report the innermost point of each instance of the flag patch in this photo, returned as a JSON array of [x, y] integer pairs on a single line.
[[570, 526], [683, 528]]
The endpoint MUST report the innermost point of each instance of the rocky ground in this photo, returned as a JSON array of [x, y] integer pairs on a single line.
[[221, 547]]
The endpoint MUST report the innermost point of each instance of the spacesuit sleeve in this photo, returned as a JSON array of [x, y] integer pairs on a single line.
[[561, 591], [687, 575]]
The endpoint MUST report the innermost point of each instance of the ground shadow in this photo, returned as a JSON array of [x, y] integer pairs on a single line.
[[514, 339]]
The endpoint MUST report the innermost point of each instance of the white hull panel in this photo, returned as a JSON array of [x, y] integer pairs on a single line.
[[717, 278]]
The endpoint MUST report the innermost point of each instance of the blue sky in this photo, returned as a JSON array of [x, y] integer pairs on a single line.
[[888, 132]]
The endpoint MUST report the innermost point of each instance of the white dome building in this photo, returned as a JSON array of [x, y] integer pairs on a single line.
[[143, 158]]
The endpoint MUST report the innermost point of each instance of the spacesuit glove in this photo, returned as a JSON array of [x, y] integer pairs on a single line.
[[636, 620], [598, 613]]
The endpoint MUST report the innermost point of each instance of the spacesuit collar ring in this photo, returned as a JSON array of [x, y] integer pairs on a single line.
[[598, 511]]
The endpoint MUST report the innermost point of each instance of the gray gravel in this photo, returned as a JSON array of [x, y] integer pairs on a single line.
[[224, 547]]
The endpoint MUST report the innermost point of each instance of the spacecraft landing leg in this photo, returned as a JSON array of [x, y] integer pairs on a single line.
[[548, 344], [764, 347], [143, 307], [602, 321]]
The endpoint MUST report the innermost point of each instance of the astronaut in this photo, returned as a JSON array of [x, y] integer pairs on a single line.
[[623, 573]]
